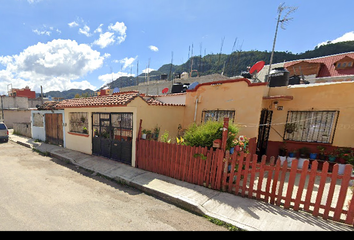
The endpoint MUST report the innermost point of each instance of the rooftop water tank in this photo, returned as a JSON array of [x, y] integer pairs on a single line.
[[278, 77]]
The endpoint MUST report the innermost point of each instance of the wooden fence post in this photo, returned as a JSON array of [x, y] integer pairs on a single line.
[[224, 134], [137, 155]]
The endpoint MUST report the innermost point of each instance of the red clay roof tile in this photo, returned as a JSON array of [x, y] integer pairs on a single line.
[[121, 99], [328, 68]]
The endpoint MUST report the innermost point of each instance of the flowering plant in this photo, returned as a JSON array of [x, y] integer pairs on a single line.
[[347, 154], [348, 157], [240, 144]]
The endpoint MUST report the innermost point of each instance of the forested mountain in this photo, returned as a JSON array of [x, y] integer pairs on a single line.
[[230, 64], [69, 93]]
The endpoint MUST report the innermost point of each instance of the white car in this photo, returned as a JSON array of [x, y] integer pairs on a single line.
[[4, 133]]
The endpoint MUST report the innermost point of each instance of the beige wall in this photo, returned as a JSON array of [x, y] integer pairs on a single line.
[[165, 117], [239, 95], [15, 115], [328, 96]]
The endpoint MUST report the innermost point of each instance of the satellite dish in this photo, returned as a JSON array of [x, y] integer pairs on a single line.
[[255, 69], [116, 90], [193, 85], [165, 90]]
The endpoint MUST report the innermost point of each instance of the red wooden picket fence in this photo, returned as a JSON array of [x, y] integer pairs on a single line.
[[322, 193]]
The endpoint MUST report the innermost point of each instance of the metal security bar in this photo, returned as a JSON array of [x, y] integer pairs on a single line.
[[217, 115], [312, 126]]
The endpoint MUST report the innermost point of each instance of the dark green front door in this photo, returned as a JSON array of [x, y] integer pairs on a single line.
[[112, 136]]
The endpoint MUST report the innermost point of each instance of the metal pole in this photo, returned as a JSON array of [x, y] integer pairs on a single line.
[[275, 38], [2, 110]]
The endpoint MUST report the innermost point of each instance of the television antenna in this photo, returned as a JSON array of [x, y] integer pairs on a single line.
[[283, 21]]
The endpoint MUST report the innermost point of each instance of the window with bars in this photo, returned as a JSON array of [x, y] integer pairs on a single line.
[[78, 122], [218, 115], [311, 126]]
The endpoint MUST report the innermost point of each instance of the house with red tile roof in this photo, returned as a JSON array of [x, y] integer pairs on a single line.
[[337, 67], [323, 112], [331, 68], [107, 125]]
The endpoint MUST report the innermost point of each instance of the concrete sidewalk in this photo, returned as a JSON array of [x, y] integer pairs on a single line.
[[244, 213]]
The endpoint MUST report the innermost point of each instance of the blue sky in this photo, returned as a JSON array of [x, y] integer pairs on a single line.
[[64, 44]]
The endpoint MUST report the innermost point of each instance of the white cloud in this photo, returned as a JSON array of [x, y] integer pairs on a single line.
[[44, 30], [99, 29], [110, 37], [107, 78], [38, 32], [120, 28], [33, 1], [126, 61], [349, 36], [85, 30], [153, 48], [105, 39], [73, 24], [148, 70], [54, 65]]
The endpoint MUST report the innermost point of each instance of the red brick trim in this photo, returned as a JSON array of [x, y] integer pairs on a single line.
[[79, 134], [229, 81]]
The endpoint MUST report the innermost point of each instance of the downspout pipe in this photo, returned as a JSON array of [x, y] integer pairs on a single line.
[[195, 109]]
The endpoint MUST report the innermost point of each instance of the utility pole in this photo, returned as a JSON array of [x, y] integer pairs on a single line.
[[282, 21], [170, 74], [2, 110], [137, 73]]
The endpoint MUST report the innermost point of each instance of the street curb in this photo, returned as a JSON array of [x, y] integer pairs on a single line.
[[167, 198]]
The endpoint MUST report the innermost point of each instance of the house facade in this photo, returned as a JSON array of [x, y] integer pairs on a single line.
[[108, 125], [322, 113]]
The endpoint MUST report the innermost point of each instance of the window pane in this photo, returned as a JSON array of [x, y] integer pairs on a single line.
[[311, 126], [218, 115]]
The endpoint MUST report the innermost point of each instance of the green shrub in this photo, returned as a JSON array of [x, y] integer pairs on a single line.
[[203, 135]]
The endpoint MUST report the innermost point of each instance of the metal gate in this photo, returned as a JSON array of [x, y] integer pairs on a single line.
[[54, 128], [263, 132], [112, 136]]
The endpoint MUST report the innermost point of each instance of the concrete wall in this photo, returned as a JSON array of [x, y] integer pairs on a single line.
[[155, 87], [16, 115], [23, 129], [19, 102]]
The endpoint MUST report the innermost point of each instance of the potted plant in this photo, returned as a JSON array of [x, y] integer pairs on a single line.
[[313, 155], [292, 153], [291, 157], [143, 135], [345, 155], [148, 134], [84, 130], [282, 153], [83, 119], [155, 134], [290, 127], [304, 153], [332, 155], [96, 132], [321, 150]]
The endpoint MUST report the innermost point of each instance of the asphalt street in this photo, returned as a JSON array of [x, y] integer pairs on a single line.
[[43, 193]]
